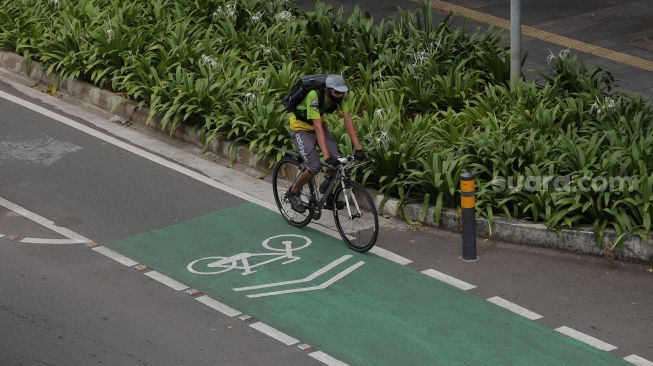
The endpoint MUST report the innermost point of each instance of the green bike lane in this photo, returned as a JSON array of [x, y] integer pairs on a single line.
[[359, 308]]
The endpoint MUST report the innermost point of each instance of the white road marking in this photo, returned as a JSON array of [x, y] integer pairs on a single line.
[[514, 308], [135, 150], [42, 220], [157, 276], [586, 338], [274, 333], [638, 361], [115, 256], [448, 279], [326, 284], [48, 241], [217, 305], [326, 359], [2, 236], [384, 253], [308, 278]]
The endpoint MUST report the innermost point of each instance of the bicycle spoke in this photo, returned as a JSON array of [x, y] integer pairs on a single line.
[[357, 221]]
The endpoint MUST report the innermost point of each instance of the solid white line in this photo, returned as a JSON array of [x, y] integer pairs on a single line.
[[326, 284], [157, 276], [586, 338], [638, 361], [50, 241], [135, 150], [274, 333], [384, 253], [42, 220], [514, 308], [326, 359], [448, 279], [115, 256], [217, 305], [311, 277]]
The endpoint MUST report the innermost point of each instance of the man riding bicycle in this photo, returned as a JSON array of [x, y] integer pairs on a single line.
[[308, 129]]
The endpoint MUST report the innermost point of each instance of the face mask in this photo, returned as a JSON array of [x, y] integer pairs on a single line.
[[334, 99]]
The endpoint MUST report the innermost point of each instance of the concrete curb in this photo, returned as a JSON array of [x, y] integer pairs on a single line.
[[515, 231]]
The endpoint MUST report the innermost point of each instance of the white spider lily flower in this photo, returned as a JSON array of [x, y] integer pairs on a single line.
[[250, 97], [260, 82], [550, 57], [281, 2], [266, 50], [284, 16], [256, 17], [564, 53], [379, 113], [609, 103], [109, 33], [53, 2], [381, 137], [208, 61]]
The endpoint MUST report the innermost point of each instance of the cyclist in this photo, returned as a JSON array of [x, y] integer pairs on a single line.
[[308, 129]]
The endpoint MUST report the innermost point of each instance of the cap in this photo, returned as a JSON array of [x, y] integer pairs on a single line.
[[337, 83]]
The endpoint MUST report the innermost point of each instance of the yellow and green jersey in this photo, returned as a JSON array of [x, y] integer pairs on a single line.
[[311, 105]]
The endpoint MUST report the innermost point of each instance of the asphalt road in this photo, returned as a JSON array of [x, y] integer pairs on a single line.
[[67, 305]]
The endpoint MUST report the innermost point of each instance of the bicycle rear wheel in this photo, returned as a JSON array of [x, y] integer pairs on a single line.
[[285, 173], [357, 222]]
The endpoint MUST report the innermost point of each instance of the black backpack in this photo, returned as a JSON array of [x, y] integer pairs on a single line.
[[304, 85]]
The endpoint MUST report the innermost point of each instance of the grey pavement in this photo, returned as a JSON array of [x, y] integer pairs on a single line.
[[621, 26], [66, 305]]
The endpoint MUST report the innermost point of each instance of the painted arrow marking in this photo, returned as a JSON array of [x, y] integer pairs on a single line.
[[73, 237], [311, 277]]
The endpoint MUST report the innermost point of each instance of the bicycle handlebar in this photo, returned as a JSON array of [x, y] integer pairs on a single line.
[[348, 159]]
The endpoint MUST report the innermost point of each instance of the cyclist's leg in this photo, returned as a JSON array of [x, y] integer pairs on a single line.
[[306, 145], [329, 175]]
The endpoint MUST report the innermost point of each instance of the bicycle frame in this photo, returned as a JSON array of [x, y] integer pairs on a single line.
[[341, 178]]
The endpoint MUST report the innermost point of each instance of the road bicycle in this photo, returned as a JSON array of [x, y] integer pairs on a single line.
[[356, 220]]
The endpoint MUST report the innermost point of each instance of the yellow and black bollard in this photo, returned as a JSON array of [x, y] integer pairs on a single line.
[[468, 205]]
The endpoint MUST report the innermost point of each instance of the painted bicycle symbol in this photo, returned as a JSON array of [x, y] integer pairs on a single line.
[[281, 247]]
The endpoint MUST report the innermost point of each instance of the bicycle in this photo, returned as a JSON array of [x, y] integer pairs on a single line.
[[278, 252], [357, 222]]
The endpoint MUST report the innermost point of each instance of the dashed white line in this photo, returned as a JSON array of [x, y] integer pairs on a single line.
[[274, 333], [40, 219], [384, 253], [638, 361], [174, 284], [326, 359], [51, 241], [217, 305], [115, 256], [586, 338], [514, 308], [448, 279]]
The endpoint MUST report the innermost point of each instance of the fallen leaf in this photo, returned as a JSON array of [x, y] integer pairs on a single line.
[[649, 270]]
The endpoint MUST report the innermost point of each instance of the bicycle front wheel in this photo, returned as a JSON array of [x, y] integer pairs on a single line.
[[357, 221], [286, 171]]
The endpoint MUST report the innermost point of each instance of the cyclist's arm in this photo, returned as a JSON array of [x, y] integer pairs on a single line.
[[321, 138], [351, 130]]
